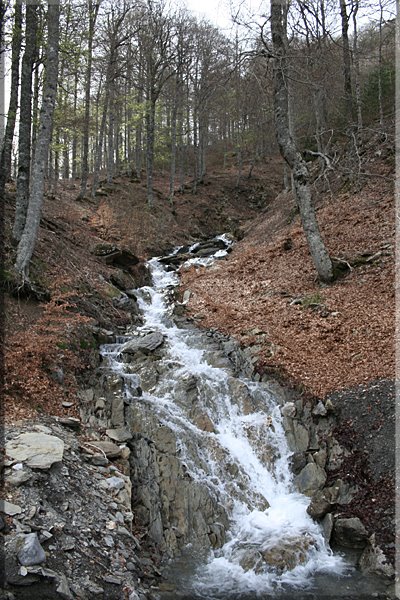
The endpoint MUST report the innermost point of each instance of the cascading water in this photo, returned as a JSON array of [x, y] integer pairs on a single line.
[[231, 441]]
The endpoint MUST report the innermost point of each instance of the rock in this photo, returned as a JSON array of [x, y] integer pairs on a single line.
[[37, 450], [115, 483], [108, 448], [145, 344], [186, 296], [71, 422], [373, 561], [327, 527], [310, 479], [320, 410], [99, 460], [287, 555], [67, 404], [322, 502], [112, 579], [113, 255], [350, 533], [121, 434], [298, 461], [301, 436], [10, 509], [63, 588], [289, 410], [117, 411], [31, 552]]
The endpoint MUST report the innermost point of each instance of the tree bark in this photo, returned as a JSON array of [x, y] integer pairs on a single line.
[[25, 122], [287, 146], [5, 162], [93, 12], [348, 88], [29, 236]]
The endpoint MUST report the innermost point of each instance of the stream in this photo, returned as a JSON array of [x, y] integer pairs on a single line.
[[211, 468]]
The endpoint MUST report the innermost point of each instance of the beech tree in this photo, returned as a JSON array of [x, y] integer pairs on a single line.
[[29, 235], [287, 145], [25, 121], [5, 161]]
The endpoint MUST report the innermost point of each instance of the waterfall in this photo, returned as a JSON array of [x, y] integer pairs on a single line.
[[230, 441]]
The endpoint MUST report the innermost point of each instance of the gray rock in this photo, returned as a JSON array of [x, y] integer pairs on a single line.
[[301, 436], [289, 410], [37, 450], [112, 579], [31, 552], [319, 410], [115, 483], [63, 588], [108, 448], [17, 477], [10, 509], [350, 533], [322, 502], [146, 344], [99, 460], [117, 411], [122, 434], [310, 479], [327, 526], [373, 561]]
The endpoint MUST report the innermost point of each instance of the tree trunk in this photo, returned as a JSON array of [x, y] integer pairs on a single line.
[[5, 162], [25, 122], [93, 11], [348, 89], [29, 236], [287, 145], [172, 174], [150, 131], [75, 134]]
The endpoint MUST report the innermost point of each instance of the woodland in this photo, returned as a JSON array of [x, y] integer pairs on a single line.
[[133, 127]]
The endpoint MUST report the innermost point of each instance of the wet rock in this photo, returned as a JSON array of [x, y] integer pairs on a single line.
[[145, 344], [287, 555], [301, 436], [327, 527], [37, 450], [289, 410], [373, 561], [298, 461], [31, 552], [310, 479], [99, 460], [323, 502], [350, 533], [251, 560]]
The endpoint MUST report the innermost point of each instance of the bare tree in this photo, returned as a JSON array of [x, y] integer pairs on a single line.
[[287, 145], [29, 236], [25, 121], [5, 161]]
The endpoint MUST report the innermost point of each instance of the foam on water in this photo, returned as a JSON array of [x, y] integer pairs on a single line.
[[266, 511]]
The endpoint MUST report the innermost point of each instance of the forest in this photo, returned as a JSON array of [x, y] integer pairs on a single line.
[[191, 215]]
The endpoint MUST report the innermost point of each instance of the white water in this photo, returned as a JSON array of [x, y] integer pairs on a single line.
[[266, 512]]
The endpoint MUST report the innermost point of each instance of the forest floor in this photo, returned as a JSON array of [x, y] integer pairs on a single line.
[[325, 340]]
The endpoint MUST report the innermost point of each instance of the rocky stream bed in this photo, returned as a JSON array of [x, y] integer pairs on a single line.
[[175, 481]]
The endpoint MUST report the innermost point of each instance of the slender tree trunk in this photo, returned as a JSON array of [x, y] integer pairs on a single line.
[[35, 110], [5, 161], [150, 132], [287, 145], [172, 174], [356, 61], [93, 12], [99, 153], [75, 134], [29, 236], [348, 88], [25, 122], [111, 137]]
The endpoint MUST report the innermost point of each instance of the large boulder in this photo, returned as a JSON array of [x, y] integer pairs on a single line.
[[145, 344], [37, 450], [310, 479], [350, 533]]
